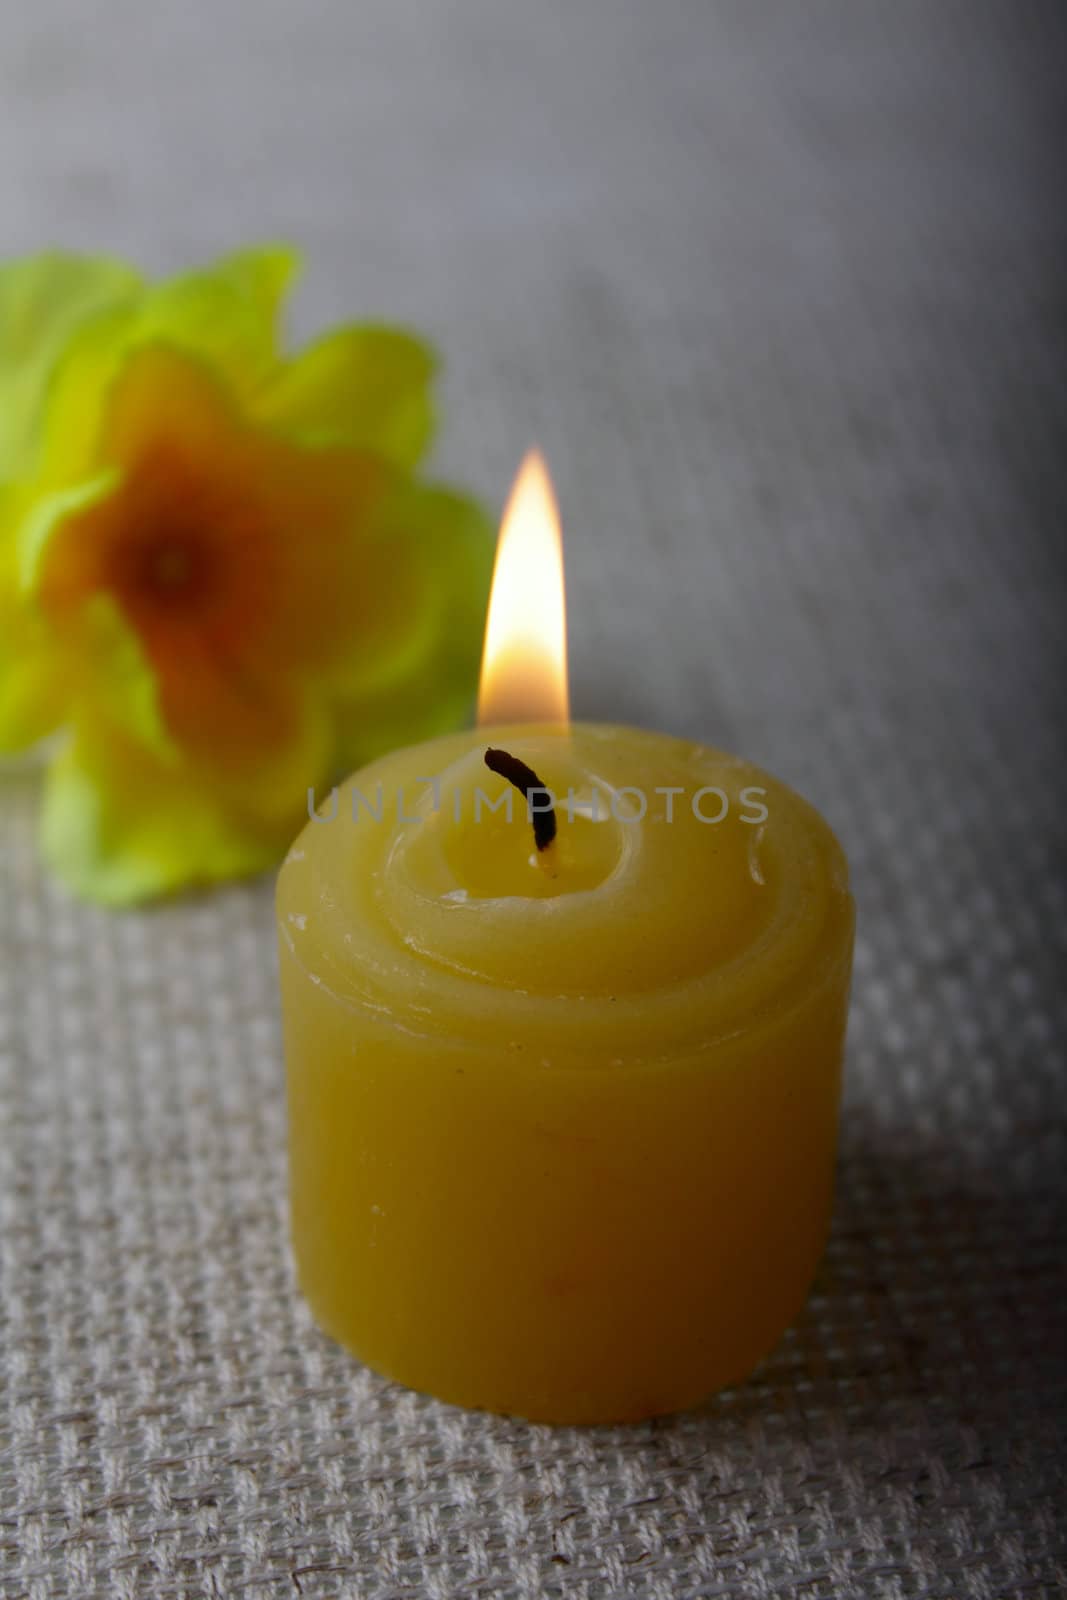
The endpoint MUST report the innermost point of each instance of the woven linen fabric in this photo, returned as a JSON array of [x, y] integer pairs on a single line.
[[778, 289]]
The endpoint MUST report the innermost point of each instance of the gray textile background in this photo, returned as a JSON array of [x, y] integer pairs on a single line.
[[777, 288]]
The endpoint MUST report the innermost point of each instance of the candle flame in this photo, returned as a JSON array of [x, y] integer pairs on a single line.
[[524, 664]]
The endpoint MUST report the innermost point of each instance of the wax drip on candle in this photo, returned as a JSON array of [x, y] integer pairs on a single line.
[[528, 784]]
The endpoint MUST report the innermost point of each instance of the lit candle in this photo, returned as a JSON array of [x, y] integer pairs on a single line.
[[564, 1014]]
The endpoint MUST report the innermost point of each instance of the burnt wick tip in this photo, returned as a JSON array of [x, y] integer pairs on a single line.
[[528, 784]]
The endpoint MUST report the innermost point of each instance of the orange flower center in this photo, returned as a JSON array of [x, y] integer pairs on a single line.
[[165, 570]]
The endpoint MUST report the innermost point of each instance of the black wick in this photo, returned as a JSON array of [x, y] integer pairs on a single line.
[[528, 784]]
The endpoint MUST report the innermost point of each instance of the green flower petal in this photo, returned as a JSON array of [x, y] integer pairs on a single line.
[[362, 386], [31, 682], [118, 826], [262, 276], [42, 300], [429, 686], [118, 680], [46, 516], [32, 699], [227, 313], [77, 394]]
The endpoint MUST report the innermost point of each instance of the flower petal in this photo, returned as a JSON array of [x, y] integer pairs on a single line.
[[363, 386], [226, 313], [79, 646], [32, 699], [45, 518], [98, 660], [31, 681], [262, 275], [43, 299], [116, 677], [260, 740], [120, 826], [427, 684]]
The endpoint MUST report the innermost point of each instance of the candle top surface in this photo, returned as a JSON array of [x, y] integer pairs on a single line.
[[681, 883]]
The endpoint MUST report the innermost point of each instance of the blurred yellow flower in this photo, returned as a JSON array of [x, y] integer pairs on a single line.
[[219, 577]]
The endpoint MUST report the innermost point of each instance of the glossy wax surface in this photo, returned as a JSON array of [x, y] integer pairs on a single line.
[[562, 1125]]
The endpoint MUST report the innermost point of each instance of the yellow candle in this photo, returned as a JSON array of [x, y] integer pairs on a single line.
[[563, 1119]]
